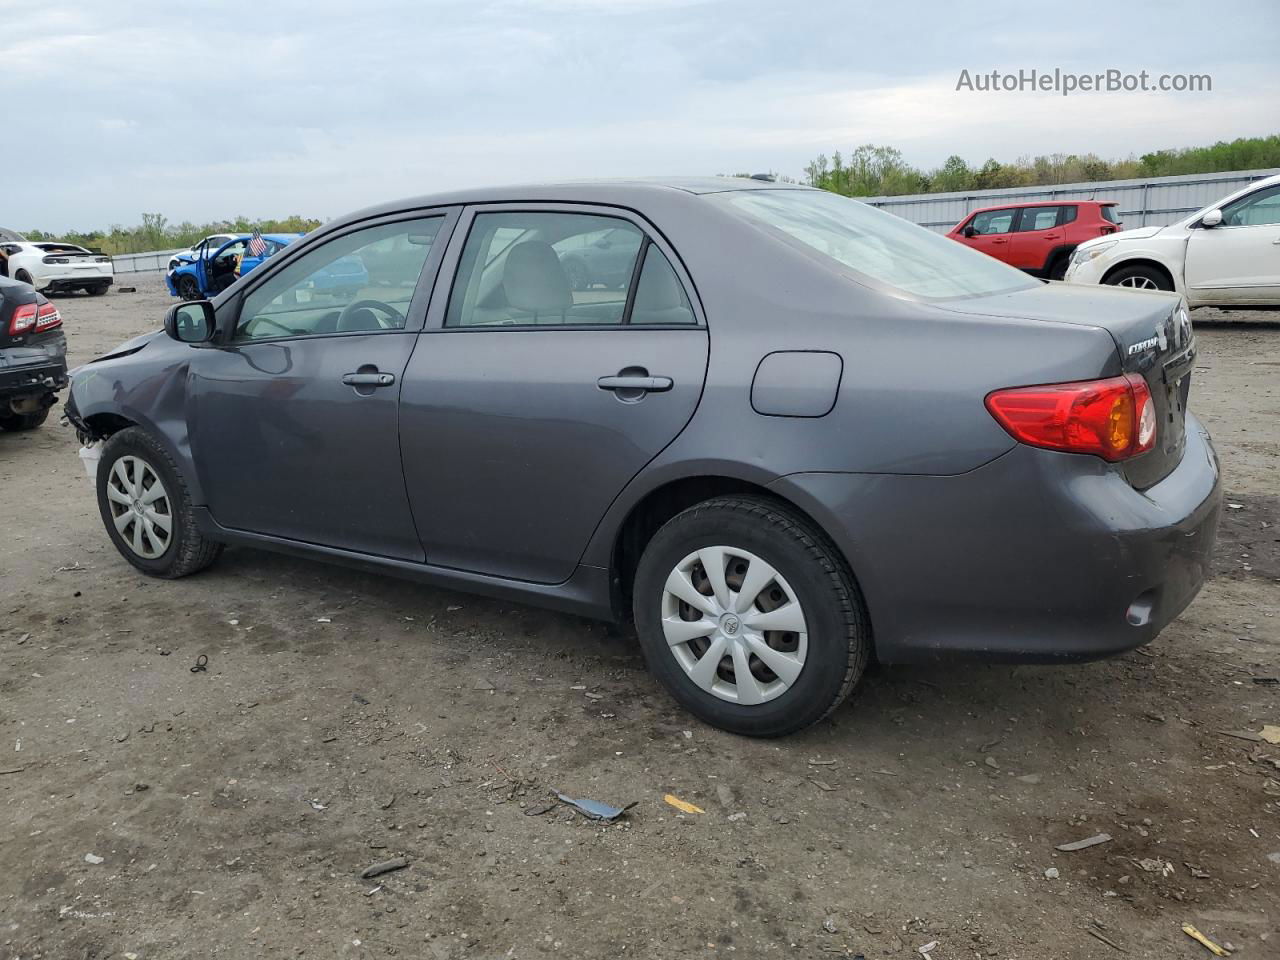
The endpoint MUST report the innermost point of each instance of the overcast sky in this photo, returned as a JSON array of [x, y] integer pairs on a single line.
[[208, 110]]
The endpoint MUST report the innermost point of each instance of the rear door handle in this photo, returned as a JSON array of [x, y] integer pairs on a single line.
[[645, 384], [368, 379]]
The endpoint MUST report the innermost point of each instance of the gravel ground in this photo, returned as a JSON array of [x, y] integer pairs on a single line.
[[346, 719]]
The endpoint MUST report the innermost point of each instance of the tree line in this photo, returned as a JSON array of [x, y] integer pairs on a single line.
[[156, 233], [875, 171]]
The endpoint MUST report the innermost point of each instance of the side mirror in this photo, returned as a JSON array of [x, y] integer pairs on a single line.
[[1211, 219], [191, 322], [969, 231]]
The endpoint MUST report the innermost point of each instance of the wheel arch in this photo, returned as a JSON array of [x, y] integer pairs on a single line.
[[1062, 251], [102, 425], [105, 420], [664, 501], [1142, 261]]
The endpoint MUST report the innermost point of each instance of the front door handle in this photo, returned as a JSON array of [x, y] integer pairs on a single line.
[[635, 383], [368, 379]]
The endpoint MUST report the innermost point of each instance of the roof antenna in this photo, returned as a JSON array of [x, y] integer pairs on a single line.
[[766, 177]]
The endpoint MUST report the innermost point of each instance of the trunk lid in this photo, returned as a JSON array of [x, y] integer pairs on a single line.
[[74, 260], [1153, 337], [31, 347]]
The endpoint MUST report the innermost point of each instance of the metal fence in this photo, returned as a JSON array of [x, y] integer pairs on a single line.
[[155, 261], [1141, 203]]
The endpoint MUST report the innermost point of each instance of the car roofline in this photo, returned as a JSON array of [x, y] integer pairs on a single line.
[[616, 192]]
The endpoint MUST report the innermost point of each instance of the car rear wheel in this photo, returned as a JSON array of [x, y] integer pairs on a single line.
[[23, 277], [1058, 268], [749, 616], [146, 508], [1139, 278], [188, 289], [97, 289], [23, 421]]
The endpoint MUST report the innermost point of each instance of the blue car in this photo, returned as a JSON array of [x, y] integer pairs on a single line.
[[211, 269]]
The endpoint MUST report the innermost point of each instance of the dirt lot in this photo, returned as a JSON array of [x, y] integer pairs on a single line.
[[346, 719]]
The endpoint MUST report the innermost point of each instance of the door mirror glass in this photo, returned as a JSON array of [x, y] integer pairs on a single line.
[[1211, 219], [191, 322]]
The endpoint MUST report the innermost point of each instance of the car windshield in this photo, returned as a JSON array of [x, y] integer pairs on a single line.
[[878, 247]]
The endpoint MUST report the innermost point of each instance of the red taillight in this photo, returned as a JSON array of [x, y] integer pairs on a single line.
[[23, 319], [1114, 419], [47, 317]]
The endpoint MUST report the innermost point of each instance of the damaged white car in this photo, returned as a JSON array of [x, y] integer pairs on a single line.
[[55, 267]]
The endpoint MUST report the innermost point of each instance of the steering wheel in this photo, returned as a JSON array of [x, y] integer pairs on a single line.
[[352, 307]]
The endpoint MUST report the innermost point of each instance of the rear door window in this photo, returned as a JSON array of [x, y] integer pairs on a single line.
[[537, 269], [1039, 218]]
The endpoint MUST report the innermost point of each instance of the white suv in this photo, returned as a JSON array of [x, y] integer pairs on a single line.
[[1226, 255]]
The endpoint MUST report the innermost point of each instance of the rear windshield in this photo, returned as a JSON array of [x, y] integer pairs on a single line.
[[1109, 213], [878, 247], [61, 248]]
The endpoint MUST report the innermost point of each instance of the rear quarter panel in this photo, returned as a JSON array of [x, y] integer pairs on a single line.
[[914, 374]]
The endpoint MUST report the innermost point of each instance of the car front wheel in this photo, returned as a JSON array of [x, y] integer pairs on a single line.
[[1139, 277], [750, 617], [188, 288], [146, 507]]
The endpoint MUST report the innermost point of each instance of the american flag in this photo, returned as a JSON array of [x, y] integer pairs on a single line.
[[257, 246]]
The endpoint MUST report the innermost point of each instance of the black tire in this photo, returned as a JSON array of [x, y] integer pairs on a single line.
[[23, 277], [1058, 268], [14, 422], [838, 629], [97, 289], [188, 287], [576, 271], [187, 551], [1139, 277]]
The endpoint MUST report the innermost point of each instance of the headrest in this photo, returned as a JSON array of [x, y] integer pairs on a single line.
[[534, 279]]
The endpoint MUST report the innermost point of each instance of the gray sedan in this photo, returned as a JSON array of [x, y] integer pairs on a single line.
[[789, 434]]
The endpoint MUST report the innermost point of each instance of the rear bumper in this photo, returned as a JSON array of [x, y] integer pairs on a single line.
[[1036, 556], [32, 378], [73, 281]]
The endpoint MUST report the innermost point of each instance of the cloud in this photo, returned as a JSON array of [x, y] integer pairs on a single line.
[[313, 108]]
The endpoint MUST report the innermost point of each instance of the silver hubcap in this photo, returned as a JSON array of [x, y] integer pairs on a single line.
[[734, 625], [1138, 283], [140, 507]]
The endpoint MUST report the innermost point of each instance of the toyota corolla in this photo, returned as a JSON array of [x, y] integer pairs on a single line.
[[791, 433]]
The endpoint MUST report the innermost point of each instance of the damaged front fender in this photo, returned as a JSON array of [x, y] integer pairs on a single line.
[[141, 383]]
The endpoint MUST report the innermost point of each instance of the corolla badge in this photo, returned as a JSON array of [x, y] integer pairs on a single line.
[[1156, 341]]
